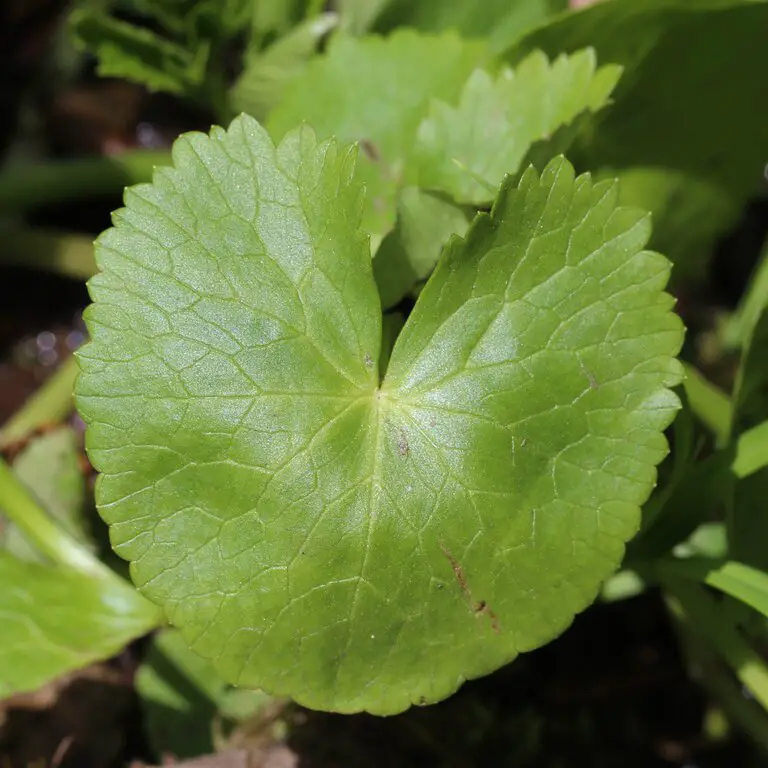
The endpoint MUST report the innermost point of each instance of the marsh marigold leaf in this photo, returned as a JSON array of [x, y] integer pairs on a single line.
[[353, 543]]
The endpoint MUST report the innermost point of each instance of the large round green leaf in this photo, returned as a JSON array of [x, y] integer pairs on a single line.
[[352, 543]]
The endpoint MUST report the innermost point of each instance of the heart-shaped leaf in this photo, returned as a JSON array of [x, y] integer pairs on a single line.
[[352, 543]]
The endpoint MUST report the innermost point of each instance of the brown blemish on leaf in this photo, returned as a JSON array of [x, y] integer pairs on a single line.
[[479, 608], [482, 609], [402, 444], [370, 150], [458, 572]]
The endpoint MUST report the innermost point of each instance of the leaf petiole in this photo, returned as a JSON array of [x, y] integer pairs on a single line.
[[33, 185], [21, 508], [50, 403]]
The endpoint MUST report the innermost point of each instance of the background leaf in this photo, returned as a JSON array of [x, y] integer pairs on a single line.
[[689, 214], [138, 54], [748, 520], [674, 111], [358, 16], [55, 620], [665, 47], [267, 73], [712, 406], [466, 151], [410, 251], [376, 91], [752, 450], [753, 304], [500, 21], [746, 584]]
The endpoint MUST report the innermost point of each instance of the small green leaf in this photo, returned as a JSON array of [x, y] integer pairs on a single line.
[[467, 150], [708, 540], [376, 91], [182, 697], [410, 251], [55, 620], [267, 74], [350, 543], [138, 54], [621, 586]]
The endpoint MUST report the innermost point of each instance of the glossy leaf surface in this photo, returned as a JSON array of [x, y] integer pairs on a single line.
[[351, 543]]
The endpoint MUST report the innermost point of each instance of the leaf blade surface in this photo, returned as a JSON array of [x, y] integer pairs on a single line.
[[350, 544]]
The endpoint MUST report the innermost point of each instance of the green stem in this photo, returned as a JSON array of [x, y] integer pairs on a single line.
[[746, 714], [65, 254], [52, 402], [28, 186], [704, 617], [21, 509], [719, 681]]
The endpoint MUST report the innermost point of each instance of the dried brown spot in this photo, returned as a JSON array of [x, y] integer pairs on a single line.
[[370, 150], [482, 609], [402, 444], [458, 572], [479, 608]]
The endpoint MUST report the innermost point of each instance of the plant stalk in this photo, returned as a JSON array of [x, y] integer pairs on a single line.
[[69, 255], [23, 511], [704, 617], [30, 186], [51, 403]]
